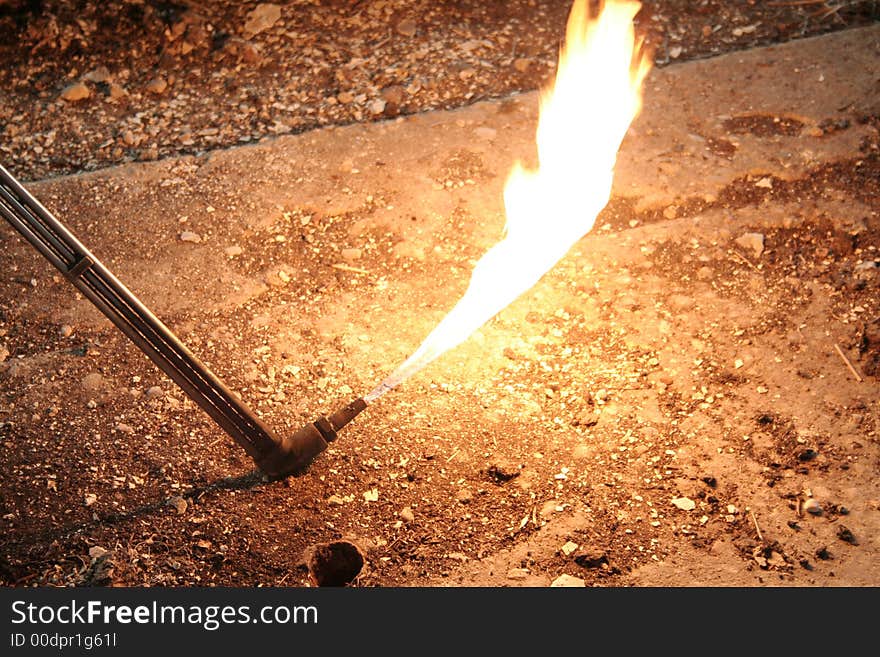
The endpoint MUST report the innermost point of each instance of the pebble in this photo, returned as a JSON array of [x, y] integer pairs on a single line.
[[407, 27], [812, 506], [521, 64], [501, 470], [116, 91], [65, 331], [335, 500], [157, 85], [189, 236], [261, 18], [90, 498], [250, 53], [233, 250], [351, 254], [179, 504], [96, 552], [4, 353], [75, 92], [99, 74], [753, 241], [846, 536], [684, 503], [517, 573], [569, 547], [407, 514], [591, 557], [567, 581], [92, 381], [464, 496], [377, 106], [154, 392], [124, 428], [394, 94]]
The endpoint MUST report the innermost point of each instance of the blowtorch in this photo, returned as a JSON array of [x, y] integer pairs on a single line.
[[277, 457]]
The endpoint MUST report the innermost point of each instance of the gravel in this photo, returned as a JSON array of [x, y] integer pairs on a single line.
[[92, 84]]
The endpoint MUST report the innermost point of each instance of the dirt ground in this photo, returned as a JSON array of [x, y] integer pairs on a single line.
[[689, 398]]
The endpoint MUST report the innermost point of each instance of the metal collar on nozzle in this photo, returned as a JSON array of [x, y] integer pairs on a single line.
[[292, 455]]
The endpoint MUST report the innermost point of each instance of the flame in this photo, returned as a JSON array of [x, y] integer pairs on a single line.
[[582, 122]]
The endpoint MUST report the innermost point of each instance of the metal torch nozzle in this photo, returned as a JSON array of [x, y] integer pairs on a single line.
[[294, 454]]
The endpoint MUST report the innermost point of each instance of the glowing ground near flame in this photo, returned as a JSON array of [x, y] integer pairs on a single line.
[[583, 120]]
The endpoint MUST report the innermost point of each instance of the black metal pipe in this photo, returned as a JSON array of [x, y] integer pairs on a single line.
[[57, 244]]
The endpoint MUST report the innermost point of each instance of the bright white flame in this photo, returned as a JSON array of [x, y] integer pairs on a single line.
[[583, 119]]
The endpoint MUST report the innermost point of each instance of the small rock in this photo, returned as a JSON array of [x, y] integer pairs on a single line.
[[684, 503], [100, 74], [705, 273], [567, 581], [96, 552], [116, 91], [502, 470], [233, 250], [371, 495], [90, 498], [675, 52], [407, 514], [807, 455], [121, 427], [261, 18], [517, 573], [591, 558], [406, 27], [189, 236], [345, 97], [4, 353], [65, 331], [154, 392], [179, 504], [846, 536], [75, 92], [335, 500], [377, 106], [157, 85], [93, 381], [351, 254], [521, 64], [394, 94], [274, 279], [250, 53], [464, 496], [753, 241], [569, 547], [764, 183], [813, 507]]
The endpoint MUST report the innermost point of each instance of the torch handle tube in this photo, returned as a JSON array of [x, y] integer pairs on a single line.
[[58, 245]]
